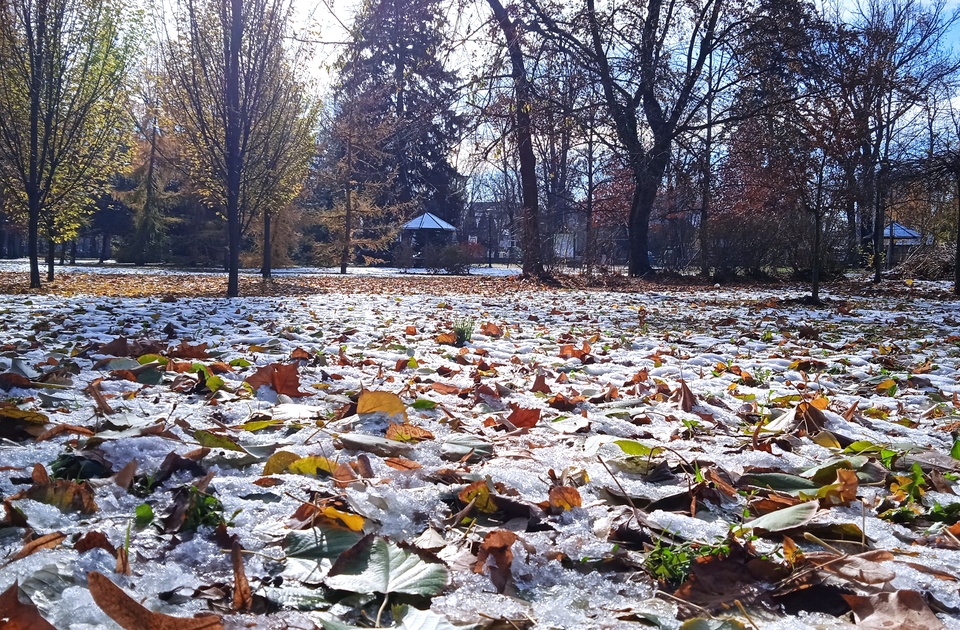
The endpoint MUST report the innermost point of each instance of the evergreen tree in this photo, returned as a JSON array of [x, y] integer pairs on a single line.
[[396, 54]]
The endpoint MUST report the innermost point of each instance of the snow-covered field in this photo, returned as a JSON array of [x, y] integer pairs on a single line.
[[579, 443]]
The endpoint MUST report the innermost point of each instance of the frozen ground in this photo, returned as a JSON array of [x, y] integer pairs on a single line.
[[647, 439]]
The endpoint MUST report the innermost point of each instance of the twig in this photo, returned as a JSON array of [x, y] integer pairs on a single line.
[[383, 606], [746, 614]]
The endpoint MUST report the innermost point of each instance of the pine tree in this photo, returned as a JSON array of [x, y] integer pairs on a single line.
[[396, 54]]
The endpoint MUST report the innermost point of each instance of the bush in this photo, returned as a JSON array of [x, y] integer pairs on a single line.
[[456, 260]]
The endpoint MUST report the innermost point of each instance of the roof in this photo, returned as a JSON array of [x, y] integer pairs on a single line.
[[427, 221], [899, 231]]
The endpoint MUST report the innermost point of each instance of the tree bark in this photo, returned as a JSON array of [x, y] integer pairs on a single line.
[[532, 264], [956, 260], [348, 213], [232, 141], [267, 268], [51, 258]]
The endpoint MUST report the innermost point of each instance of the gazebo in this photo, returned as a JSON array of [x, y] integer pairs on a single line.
[[899, 241], [428, 229]]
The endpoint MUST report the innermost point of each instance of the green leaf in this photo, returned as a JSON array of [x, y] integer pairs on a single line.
[[319, 543], [212, 440], [423, 403], [781, 482], [375, 565], [637, 449], [152, 358], [215, 383], [240, 363], [787, 518], [201, 368], [827, 471], [955, 451], [144, 514]]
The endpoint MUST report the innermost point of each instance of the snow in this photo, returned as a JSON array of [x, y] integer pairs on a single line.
[[683, 334]]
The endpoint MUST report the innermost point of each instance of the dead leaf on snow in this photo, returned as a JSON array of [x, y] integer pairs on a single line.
[[17, 615], [563, 498], [386, 403], [523, 418], [400, 463], [900, 610], [497, 545], [242, 596], [685, 397], [282, 378], [130, 615], [47, 541], [186, 351], [61, 493], [407, 432]]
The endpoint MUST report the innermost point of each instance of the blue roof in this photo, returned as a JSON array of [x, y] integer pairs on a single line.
[[899, 231], [428, 221]]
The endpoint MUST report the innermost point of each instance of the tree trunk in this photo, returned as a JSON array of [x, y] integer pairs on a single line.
[[815, 280], [956, 261], [532, 264], [73, 252], [105, 247], [878, 218], [648, 172], [232, 140], [51, 258], [348, 214], [33, 244], [267, 268]]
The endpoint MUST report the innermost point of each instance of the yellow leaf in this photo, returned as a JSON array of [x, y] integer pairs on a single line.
[[886, 385], [826, 440], [312, 466], [479, 492], [278, 462], [352, 521], [821, 402], [407, 432], [564, 498], [381, 402]]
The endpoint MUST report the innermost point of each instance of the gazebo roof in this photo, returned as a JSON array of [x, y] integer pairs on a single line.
[[899, 232], [427, 221]]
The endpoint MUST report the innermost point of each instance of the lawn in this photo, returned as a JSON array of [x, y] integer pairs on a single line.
[[432, 452]]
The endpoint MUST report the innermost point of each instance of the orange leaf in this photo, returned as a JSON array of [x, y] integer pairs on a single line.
[[400, 463], [242, 597], [523, 418], [47, 541], [444, 388], [479, 492], [380, 402], [564, 498], [540, 385], [19, 616], [497, 545], [447, 338], [132, 616], [410, 331], [407, 432], [283, 378], [186, 351], [491, 330]]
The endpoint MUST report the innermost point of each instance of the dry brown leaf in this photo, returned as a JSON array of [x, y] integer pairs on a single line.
[[497, 545], [900, 610], [448, 339], [61, 493], [47, 541], [125, 477], [123, 562], [9, 380], [282, 378], [444, 388], [540, 385], [132, 616], [242, 597], [63, 428], [564, 498], [16, 615], [400, 463], [491, 330], [407, 432], [94, 540], [523, 418], [186, 351], [685, 397]]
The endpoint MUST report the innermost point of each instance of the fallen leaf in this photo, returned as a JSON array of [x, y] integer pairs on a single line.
[[407, 432], [523, 418], [242, 597], [900, 610], [47, 541], [479, 493], [400, 463], [18, 615], [685, 397], [540, 385], [282, 378], [186, 351], [564, 498], [386, 403], [130, 615], [497, 545]]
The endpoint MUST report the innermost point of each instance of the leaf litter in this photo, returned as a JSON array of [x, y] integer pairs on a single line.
[[584, 459]]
